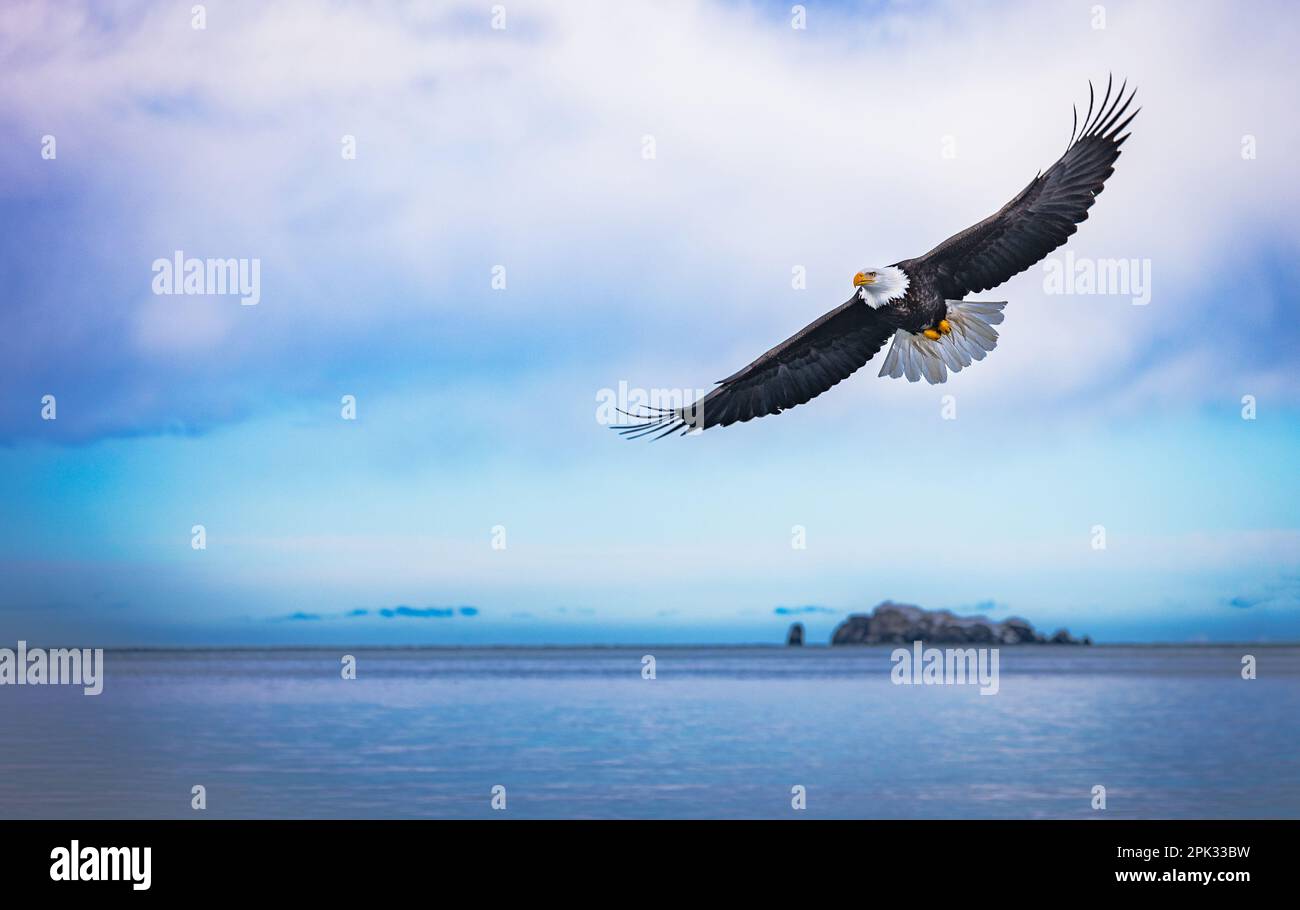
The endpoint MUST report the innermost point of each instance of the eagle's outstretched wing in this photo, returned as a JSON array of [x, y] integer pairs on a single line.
[[1042, 216], [800, 368]]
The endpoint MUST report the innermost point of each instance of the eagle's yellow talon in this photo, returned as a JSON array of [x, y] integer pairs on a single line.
[[944, 326], [931, 334]]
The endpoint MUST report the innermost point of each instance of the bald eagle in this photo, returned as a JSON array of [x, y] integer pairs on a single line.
[[919, 304]]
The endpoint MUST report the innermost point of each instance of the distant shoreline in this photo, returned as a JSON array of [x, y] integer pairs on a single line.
[[764, 646]]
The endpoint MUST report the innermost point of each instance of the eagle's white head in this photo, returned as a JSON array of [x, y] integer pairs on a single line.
[[878, 286]]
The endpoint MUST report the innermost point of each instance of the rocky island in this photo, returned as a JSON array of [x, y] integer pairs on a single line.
[[891, 623]]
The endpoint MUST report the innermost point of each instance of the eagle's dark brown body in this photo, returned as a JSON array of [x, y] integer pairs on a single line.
[[921, 307]]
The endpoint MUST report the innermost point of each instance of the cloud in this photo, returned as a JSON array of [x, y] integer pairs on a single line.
[[406, 612], [775, 148], [523, 148], [400, 611], [1282, 592], [983, 606]]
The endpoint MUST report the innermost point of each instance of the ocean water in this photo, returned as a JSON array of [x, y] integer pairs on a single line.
[[1170, 732]]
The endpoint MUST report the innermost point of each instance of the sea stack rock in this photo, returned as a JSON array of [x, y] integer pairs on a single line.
[[891, 623], [795, 636]]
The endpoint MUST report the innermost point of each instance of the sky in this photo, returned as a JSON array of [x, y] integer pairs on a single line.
[[484, 225]]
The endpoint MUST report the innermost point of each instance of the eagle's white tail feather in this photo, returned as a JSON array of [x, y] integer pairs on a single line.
[[971, 338]]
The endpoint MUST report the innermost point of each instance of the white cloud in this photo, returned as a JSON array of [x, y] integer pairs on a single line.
[[775, 147]]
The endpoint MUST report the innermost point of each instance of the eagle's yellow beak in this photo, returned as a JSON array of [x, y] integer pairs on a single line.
[[861, 279]]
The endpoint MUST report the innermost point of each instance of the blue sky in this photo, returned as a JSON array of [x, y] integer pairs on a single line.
[[863, 139]]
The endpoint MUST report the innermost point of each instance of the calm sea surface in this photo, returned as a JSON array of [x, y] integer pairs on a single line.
[[720, 733]]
